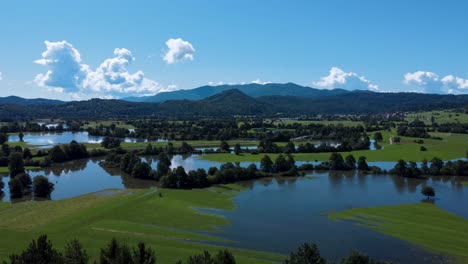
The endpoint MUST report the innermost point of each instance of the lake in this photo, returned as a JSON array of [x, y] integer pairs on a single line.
[[268, 206], [47, 139]]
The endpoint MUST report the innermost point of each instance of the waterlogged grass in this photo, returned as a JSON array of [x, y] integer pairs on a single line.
[[451, 146], [464, 183], [423, 224], [168, 223]]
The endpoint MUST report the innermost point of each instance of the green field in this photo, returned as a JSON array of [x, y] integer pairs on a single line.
[[464, 183], [325, 122], [193, 143], [167, 223], [440, 117], [423, 224], [451, 146], [94, 124]]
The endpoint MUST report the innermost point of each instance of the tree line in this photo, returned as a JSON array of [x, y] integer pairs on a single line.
[[437, 167], [42, 251]]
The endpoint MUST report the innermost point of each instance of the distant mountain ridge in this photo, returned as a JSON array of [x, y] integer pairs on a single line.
[[252, 89], [23, 101], [233, 102]]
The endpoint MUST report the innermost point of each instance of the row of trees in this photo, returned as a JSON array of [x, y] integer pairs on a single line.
[[435, 168], [21, 184], [42, 251]]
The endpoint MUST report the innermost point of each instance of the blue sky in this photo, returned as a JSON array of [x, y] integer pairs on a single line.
[[124, 48]]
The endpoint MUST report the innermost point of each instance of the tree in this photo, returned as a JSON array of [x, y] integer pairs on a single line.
[[74, 253], [290, 148], [428, 191], [3, 138], [401, 168], [224, 257], [25, 180], [27, 153], [306, 254], [143, 255], [182, 177], [110, 142], [57, 154], [16, 163], [378, 136], [42, 187], [16, 188], [266, 164], [237, 149], [169, 180], [149, 149], [6, 149], [141, 170], [357, 257], [76, 150], [281, 164], [115, 253], [204, 258], [362, 164], [224, 147], [38, 252], [164, 164], [21, 136], [436, 166], [350, 162], [413, 170], [336, 161]]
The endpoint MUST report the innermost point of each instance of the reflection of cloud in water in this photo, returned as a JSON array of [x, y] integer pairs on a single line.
[[179, 160]]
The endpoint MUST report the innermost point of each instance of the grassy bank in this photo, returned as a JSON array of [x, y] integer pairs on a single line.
[[167, 223], [4, 170], [423, 224]]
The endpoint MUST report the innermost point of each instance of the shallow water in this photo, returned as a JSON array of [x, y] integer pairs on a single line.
[[47, 139], [278, 214]]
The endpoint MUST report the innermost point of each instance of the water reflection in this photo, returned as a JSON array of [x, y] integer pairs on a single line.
[[271, 204], [47, 139]]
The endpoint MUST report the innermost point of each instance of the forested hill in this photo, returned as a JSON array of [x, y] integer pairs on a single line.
[[22, 101], [252, 89], [235, 102]]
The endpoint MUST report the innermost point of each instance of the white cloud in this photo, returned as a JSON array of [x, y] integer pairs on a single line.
[[429, 82], [178, 49], [345, 80], [111, 78], [1, 76], [258, 81], [211, 83]]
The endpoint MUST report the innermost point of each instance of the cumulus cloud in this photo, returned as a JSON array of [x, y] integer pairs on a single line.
[[178, 49], [338, 78], [111, 78], [258, 81], [429, 82]]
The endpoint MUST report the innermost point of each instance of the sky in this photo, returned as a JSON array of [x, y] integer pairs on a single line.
[[113, 49]]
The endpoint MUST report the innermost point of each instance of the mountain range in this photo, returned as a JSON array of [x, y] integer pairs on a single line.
[[252, 89], [281, 100]]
